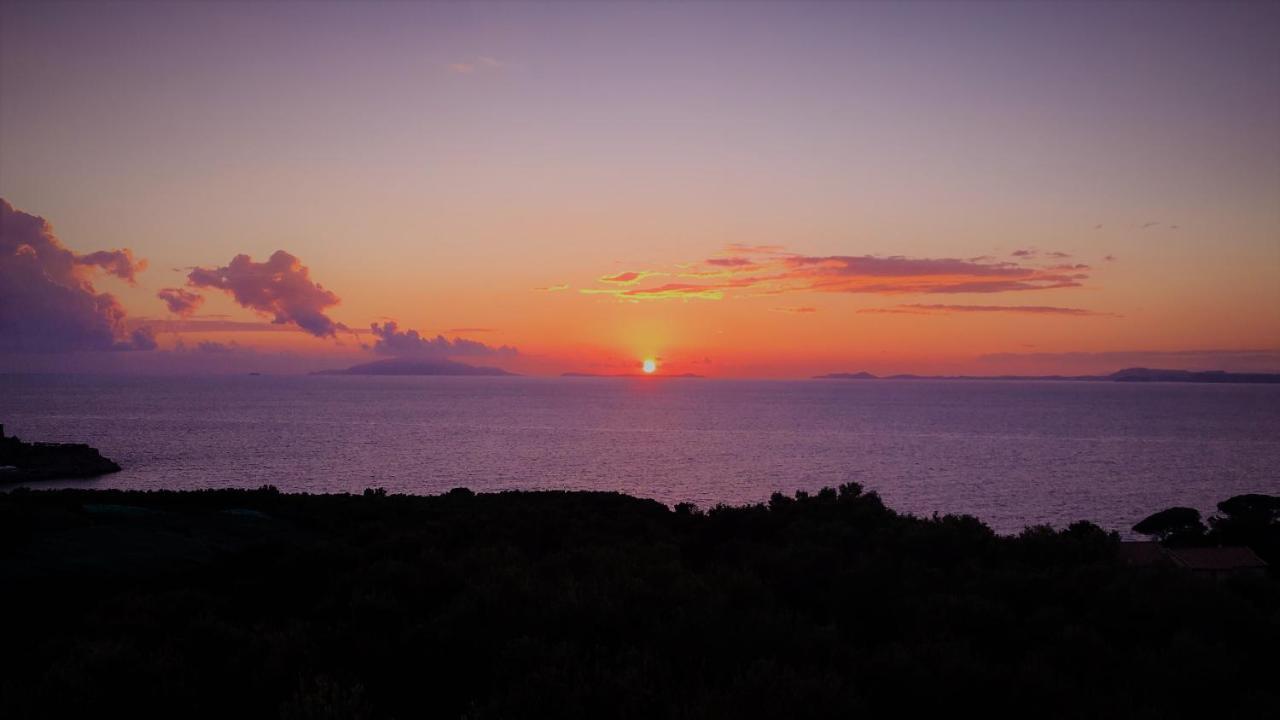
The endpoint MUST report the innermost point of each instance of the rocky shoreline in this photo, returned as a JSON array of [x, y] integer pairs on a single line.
[[23, 461]]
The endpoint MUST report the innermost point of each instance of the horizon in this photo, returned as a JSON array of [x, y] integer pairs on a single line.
[[734, 191]]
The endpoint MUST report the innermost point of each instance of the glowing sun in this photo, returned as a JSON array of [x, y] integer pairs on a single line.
[[648, 366]]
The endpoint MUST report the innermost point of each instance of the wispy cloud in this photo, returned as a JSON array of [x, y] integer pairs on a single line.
[[670, 291], [630, 277], [776, 272], [479, 64], [800, 310], [924, 309], [553, 288]]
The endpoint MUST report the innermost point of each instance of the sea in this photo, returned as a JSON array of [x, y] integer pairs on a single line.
[[1012, 453]]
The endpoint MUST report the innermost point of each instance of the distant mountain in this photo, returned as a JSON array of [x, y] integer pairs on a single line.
[[1126, 375], [1195, 376], [402, 366], [847, 376], [628, 375]]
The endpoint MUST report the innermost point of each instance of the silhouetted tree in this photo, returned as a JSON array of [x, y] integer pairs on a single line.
[[1174, 526], [1252, 520]]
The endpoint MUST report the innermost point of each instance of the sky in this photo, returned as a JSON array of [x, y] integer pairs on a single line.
[[732, 189]]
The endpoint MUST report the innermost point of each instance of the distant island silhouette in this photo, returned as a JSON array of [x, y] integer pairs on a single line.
[[629, 375], [401, 366], [1126, 375]]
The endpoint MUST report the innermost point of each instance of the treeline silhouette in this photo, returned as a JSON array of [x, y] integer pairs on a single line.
[[1244, 520], [257, 604]]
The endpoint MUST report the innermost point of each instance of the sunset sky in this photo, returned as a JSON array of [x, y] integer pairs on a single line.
[[736, 190]]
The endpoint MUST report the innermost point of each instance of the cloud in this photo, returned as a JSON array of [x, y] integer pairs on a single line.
[[552, 288], [922, 309], [209, 346], [1110, 258], [180, 302], [802, 310], [47, 299], [479, 64], [629, 278], [744, 249], [683, 291], [898, 274], [207, 324], [732, 262], [408, 343], [777, 273], [280, 287], [115, 262], [464, 330], [1028, 253]]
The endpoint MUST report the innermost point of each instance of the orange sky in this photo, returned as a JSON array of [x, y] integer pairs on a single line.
[[863, 187]]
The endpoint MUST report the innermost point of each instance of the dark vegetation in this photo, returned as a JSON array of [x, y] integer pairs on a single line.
[[1249, 520], [252, 604]]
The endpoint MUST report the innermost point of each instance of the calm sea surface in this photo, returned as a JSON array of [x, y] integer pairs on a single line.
[[1011, 453]]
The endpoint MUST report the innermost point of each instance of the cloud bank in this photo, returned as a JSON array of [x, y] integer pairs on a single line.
[[409, 343], [47, 299]]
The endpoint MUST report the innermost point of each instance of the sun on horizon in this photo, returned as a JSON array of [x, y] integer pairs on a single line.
[[649, 366]]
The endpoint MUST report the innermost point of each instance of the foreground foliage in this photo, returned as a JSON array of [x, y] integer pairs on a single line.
[[585, 605]]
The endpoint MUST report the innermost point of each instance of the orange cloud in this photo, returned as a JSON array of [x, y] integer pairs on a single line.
[[775, 272], [920, 309], [670, 291], [629, 278]]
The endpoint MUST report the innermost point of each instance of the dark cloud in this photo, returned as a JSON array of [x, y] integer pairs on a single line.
[[180, 302], [280, 287], [409, 343], [1023, 253], [207, 324], [210, 346], [47, 300]]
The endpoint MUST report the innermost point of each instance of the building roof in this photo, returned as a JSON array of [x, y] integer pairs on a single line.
[[1144, 554], [1217, 558]]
